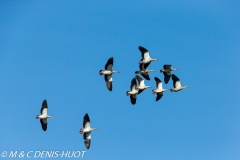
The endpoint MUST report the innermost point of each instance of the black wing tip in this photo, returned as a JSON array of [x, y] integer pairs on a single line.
[[44, 101], [133, 103], [44, 105], [146, 77], [110, 60], [157, 79], [86, 117], [175, 78], [142, 49], [133, 82], [167, 65], [167, 78], [109, 86]]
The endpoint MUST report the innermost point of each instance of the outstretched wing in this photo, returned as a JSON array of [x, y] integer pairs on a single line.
[[166, 77], [109, 64], [140, 91], [144, 51], [159, 95], [44, 108], [44, 123], [158, 81], [176, 81], [87, 139], [86, 121], [139, 79], [133, 84], [108, 80], [167, 66], [133, 98], [146, 76]]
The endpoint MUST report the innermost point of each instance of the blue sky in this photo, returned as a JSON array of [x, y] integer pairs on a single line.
[[54, 50]]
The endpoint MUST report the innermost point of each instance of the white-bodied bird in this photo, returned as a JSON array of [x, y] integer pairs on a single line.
[[86, 131], [43, 117], [176, 84], [145, 56], [141, 85], [133, 92], [159, 91], [108, 73]]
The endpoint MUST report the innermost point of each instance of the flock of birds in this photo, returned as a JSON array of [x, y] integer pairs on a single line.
[[143, 64], [134, 89]]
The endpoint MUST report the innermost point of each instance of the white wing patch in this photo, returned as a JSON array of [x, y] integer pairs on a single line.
[[146, 55], [44, 111], [87, 125], [142, 83], [177, 84], [159, 86]]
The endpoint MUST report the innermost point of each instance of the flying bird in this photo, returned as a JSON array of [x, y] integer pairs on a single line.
[[144, 71], [176, 84], [145, 56], [43, 117], [86, 131], [108, 73], [141, 86], [159, 91], [133, 92], [167, 68]]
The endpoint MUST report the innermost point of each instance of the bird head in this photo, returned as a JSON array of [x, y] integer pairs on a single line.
[[81, 131], [100, 72]]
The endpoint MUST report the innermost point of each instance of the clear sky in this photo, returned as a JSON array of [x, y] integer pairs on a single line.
[[54, 50]]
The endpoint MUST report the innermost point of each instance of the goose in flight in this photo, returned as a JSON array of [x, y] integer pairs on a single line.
[[145, 56], [167, 68], [86, 131], [144, 71], [159, 91], [43, 117], [176, 84], [141, 86], [133, 92], [108, 73]]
